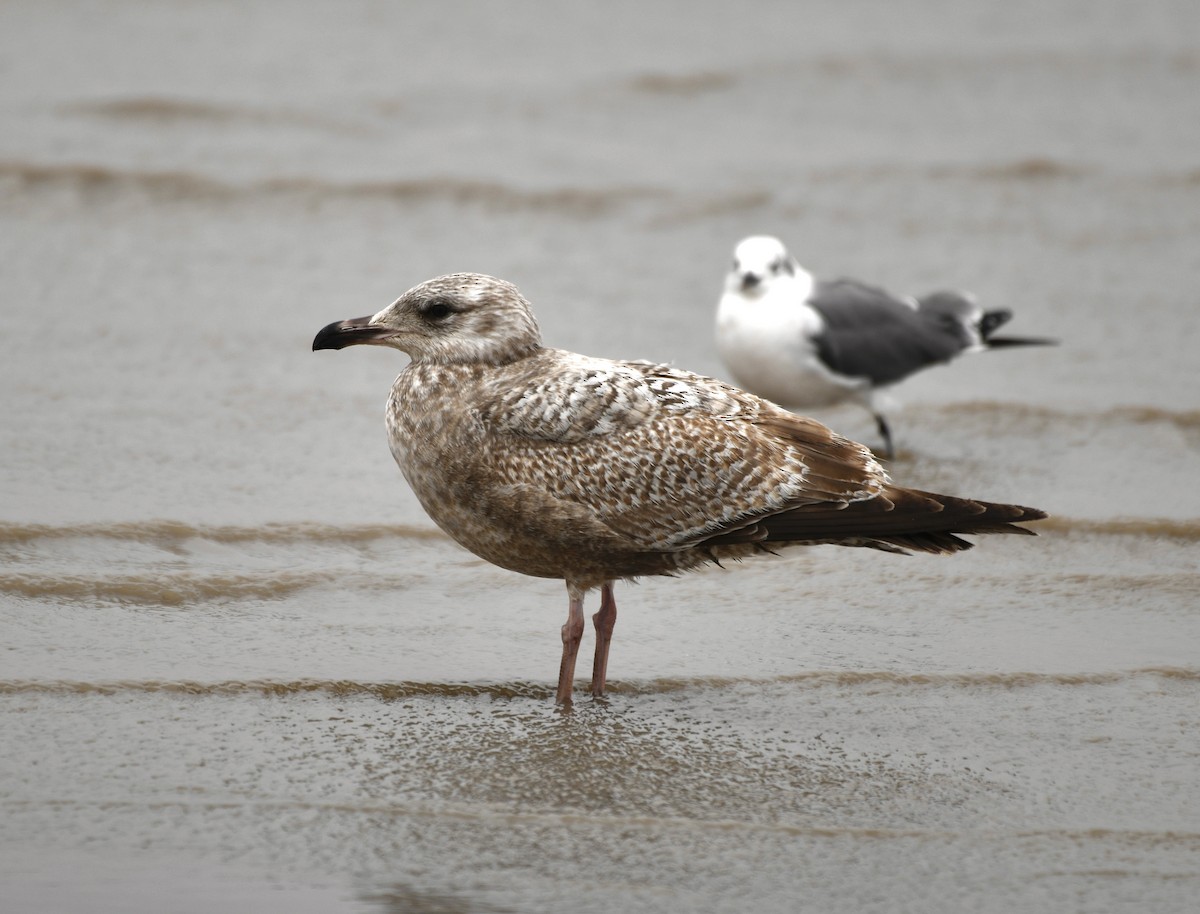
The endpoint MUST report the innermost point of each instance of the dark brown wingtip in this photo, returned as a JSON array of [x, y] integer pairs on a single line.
[[900, 520]]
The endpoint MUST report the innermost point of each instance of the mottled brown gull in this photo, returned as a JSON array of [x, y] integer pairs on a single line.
[[560, 465]]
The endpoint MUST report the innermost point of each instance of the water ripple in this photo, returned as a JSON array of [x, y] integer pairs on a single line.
[[394, 691]]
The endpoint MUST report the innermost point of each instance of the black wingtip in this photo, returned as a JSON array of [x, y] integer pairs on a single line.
[[992, 320], [1007, 342]]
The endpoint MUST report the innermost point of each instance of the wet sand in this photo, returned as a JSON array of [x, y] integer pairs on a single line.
[[241, 668]]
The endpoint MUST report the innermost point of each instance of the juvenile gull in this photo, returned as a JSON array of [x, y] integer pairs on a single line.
[[560, 465], [806, 343]]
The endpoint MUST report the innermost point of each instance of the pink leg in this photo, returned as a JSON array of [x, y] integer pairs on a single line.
[[604, 622], [572, 634]]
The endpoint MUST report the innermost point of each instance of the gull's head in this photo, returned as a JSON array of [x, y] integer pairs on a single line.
[[758, 261], [460, 317]]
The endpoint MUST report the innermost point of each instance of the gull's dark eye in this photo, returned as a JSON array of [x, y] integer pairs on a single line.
[[437, 311]]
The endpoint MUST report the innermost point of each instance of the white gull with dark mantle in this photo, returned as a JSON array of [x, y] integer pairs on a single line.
[[560, 465], [806, 343]]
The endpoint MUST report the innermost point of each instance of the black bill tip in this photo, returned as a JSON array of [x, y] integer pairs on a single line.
[[341, 334]]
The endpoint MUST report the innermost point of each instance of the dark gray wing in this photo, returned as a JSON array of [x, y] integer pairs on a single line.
[[872, 334]]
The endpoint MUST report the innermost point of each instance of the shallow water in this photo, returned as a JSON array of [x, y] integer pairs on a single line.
[[241, 668]]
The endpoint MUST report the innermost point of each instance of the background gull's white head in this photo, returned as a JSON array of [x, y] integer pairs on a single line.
[[757, 262]]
